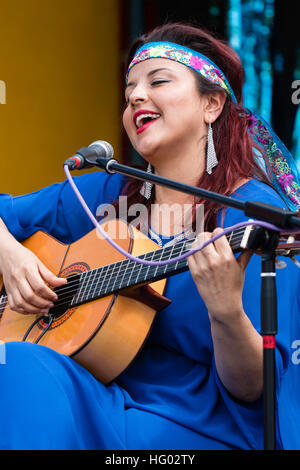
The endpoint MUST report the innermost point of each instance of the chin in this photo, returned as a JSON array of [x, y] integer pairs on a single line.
[[147, 150]]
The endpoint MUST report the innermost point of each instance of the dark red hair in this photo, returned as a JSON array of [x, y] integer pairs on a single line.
[[233, 144]]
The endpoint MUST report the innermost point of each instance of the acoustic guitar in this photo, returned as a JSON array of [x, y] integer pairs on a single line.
[[105, 311]]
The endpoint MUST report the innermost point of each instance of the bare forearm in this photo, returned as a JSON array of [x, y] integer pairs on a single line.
[[3, 229], [238, 356], [27, 280], [5, 239]]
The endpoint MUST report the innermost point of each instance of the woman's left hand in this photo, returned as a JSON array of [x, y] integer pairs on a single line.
[[219, 276]]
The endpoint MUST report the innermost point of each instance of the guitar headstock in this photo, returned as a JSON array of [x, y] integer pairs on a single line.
[[255, 238], [289, 245]]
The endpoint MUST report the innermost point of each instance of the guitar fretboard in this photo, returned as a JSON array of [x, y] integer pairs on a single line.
[[112, 278]]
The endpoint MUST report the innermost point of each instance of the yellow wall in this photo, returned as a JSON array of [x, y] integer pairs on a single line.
[[60, 62]]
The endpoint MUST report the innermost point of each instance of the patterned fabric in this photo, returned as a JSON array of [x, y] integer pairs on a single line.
[[284, 174], [183, 55]]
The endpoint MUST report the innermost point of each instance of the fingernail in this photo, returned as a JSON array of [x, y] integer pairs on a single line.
[[45, 310]]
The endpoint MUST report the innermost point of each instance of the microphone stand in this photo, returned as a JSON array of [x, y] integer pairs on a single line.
[[256, 210]]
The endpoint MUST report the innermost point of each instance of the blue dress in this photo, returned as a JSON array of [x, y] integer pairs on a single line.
[[171, 396]]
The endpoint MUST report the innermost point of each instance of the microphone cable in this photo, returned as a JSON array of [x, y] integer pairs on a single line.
[[172, 260]]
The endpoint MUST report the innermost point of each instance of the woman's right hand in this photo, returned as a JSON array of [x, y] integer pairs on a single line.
[[25, 278]]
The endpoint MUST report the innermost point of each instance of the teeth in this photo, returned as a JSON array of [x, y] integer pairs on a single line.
[[139, 119]]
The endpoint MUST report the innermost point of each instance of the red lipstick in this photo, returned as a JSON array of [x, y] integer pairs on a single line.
[[144, 114]]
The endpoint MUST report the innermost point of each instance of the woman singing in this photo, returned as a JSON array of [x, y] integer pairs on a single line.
[[197, 382]]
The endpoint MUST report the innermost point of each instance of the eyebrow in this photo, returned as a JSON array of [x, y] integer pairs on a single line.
[[152, 72]]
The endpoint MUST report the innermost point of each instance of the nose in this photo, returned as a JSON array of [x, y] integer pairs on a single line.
[[138, 95]]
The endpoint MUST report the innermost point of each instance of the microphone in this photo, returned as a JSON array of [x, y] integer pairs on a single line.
[[86, 156]]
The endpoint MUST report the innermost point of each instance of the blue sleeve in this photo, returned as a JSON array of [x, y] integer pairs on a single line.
[[284, 277], [289, 401], [287, 284], [56, 209]]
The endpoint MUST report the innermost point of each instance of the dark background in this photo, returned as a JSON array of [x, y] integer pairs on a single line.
[[280, 42]]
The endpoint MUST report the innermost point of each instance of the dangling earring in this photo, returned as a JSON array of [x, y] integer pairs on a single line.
[[211, 158], [147, 186]]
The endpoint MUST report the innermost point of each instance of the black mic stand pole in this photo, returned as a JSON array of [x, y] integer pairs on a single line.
[[256, 210]]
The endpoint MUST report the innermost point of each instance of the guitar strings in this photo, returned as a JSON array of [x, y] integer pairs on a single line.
[[153, 256], [165, 251], [92, 275], [66, 300], [233, 236], [110, 268], [147, 257], [110, 288]]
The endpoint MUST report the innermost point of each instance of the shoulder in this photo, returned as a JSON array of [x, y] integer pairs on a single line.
[[95, 188], [252, 190], [56, 208], [90, 184], [95, 182]]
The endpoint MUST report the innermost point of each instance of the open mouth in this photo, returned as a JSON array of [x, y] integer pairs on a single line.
[[143, 120]]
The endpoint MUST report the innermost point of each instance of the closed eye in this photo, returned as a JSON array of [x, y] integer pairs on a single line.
[[157, 82]]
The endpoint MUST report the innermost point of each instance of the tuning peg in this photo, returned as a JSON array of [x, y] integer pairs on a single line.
[[280, 264], [295, 261]]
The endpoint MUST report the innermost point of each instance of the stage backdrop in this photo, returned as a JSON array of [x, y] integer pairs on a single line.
[[265, 33], [59, 86]]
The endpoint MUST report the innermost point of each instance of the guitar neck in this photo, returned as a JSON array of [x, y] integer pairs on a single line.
[[112, 278]]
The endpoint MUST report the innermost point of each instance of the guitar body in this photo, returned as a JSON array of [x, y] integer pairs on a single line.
[[103, 335]]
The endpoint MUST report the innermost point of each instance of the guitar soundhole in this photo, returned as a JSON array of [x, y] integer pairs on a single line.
[[63, 308], [65, 296]]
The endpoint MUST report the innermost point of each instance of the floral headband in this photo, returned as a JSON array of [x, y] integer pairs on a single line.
[[285, 177], [186, 56]]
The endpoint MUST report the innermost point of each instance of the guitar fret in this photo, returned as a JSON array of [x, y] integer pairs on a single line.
[[90, 288], [108, 281], [139, 272], [102, 277], [148, 267], [167, 265], [85, 285], [116, 278], [126, 273], [146, 272], [77, 296], [111, 286], [160, 255], [128, 280], [155, 272], [93, 283], [181, 252], [89, 275], [96, 279]]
